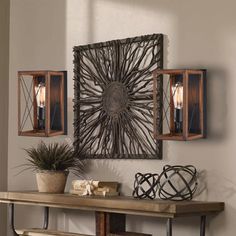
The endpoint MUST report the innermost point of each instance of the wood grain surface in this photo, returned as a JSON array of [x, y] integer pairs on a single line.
[[125, 205]]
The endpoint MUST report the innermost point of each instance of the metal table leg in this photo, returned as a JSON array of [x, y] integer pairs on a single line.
[[11, 209], [12, 218], [46, 218], [203, 226], [169, 227]]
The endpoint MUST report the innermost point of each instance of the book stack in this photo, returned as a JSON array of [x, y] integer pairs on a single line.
[[93, 187]]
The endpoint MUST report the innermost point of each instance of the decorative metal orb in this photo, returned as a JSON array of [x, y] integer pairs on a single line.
[[145, 185], [177, 183]]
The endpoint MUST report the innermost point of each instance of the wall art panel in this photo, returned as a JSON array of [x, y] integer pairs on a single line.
[[113, 105]]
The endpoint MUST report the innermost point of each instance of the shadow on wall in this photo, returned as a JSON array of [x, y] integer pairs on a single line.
[[217, 82], [91, 17], [151, 5], [70, 114], [211, 183], [217, 183]]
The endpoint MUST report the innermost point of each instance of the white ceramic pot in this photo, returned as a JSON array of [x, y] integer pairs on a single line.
[[51, 181]]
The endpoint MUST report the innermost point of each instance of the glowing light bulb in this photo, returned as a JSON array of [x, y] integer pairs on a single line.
[[40, 92], [177, 93], [178, 97]]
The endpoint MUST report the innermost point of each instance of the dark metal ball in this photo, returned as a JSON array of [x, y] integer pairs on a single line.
[[145, 185], [177, 182]]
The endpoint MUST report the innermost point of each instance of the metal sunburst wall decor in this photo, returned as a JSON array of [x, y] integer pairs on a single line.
[[113, 103]]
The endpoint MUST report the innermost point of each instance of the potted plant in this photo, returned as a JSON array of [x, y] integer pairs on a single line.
[[52, 164]]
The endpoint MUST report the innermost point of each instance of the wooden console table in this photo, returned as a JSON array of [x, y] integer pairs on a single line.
[[111, 211]]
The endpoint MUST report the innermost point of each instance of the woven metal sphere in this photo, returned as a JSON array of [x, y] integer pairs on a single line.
[[145, 185], [177, 182]]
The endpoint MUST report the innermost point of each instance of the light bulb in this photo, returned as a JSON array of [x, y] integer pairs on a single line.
[[40, 92], [177, 93]]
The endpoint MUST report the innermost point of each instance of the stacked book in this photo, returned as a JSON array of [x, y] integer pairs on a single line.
[[93, 187]]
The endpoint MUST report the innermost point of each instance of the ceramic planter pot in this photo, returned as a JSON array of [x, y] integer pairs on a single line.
[[51, 181]]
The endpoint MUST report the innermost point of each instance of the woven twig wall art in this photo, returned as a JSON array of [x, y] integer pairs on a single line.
[[113, 103]]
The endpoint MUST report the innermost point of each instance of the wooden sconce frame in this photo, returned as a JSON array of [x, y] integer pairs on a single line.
[[31, 104], [191, 91]]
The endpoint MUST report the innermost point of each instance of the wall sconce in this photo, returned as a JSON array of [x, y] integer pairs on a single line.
[[42, 103], [183, 104]]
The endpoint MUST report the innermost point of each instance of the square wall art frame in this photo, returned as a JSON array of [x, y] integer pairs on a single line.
[[113, 98]]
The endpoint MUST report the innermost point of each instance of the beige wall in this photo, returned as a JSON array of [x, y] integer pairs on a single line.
[[4, 76], [198, 34]]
